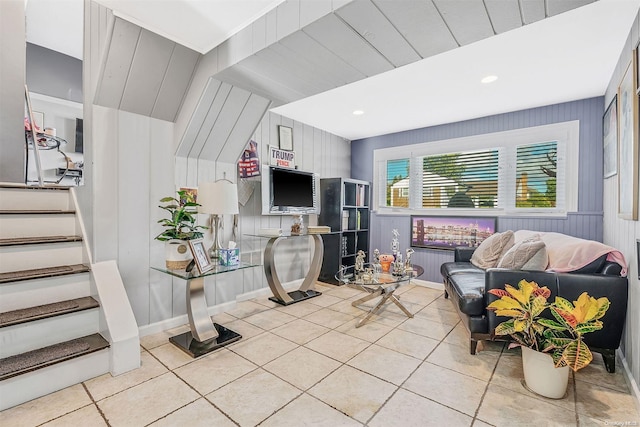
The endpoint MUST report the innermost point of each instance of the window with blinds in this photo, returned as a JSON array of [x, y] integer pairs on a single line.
[[536, 175]]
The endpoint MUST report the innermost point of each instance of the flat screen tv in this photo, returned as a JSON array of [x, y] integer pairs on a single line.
[[447, 232], [289, 192]]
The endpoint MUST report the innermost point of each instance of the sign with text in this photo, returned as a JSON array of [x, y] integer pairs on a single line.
[[281, 158]]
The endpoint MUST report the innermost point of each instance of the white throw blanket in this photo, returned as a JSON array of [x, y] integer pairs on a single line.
[[568, 253]]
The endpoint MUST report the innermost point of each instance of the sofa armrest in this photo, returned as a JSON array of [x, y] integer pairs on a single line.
[[463, 254]]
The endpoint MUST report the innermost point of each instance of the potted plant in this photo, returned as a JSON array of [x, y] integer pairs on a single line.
[[554, 343], [178, 228]]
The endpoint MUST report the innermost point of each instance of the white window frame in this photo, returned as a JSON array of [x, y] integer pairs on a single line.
[[567, 134]]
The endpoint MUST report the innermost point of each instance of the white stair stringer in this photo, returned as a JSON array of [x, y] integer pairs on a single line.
[[29, 386]]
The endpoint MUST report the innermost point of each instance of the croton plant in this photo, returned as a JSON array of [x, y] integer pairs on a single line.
[[562, 337]]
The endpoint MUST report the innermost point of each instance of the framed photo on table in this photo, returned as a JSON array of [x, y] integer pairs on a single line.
[[285, 135], [200, 256], [610, 137]]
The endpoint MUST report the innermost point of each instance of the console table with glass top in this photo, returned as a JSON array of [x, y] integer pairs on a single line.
[[204, 336], [305, 292], [382, 284]]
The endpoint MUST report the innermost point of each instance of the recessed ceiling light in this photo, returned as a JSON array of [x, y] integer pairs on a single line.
[[358, 112], [489, 79]]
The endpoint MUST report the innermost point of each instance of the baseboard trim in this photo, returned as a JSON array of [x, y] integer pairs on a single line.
[[631, 382]]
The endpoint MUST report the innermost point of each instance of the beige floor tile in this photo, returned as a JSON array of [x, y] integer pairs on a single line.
[[171, 356], [462, 392], [299, 309], [214, 370], [309, 411], [156, 340], [412, 307], [443, 303], [407, 409], [300, 331], [302, 367], [222, 318], [596, 373], [147, 402], [246, 308], [509, 375], [355, 393], [479, 423], [264, 300], [437, 315], [408, 343], [87, 416], [325, 300], [458, 336], [247, 330], [369, 331], [328, 318], [344, 306], [269, 319], [200, 413], [605, 404], [479, 365], [385, 364], [501, 407], [45, 408], [345, 292], [107, 385], [263, 348], [389, 318], [338, 346], [254, 397], [426, 328]]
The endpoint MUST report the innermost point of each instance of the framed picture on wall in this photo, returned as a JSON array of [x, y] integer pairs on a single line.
[[628, 144], [448, 232], [285, 135], [638, 257], [610, 137]]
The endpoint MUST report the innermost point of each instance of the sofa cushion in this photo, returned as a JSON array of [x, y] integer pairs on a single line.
[[530, 254], [491, 249], [470, 292], [449, 268]]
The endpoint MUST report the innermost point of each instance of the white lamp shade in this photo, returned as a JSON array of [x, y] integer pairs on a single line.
[[220, 197]]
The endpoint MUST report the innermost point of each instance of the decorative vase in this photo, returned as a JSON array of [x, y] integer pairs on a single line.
[[541, 376], [385, 262], [177, 254]]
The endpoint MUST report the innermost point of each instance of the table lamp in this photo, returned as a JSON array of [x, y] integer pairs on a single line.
[[217, 198]]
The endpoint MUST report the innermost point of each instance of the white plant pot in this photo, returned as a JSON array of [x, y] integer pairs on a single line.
[[177, 254], [541, 376]]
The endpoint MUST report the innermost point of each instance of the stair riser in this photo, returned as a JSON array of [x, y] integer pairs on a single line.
[[41, 333], [26, 257], [32, 385], [30, 293], [32, 199], [32, 225]]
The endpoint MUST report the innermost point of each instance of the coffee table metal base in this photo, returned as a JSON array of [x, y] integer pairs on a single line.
[[195, 348], [386, 296], [297, 296]]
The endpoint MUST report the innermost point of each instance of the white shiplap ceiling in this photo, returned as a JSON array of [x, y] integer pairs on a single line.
[[562, 58]]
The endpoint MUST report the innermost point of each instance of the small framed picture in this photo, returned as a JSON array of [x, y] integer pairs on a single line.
[[285, 135], [610, 130], [200, 256], [638, 257]]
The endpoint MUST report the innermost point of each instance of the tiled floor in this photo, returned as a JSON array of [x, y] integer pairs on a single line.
[[307, 364]]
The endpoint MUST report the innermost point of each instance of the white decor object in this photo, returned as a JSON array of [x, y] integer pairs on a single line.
[[177, 254], [217, 198], [541, 375]]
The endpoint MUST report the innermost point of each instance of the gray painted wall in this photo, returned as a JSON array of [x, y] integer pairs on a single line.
[[12, 64], [586, 223], [53, 73]]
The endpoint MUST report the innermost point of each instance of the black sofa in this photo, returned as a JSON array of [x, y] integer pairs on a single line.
[[467, 286]]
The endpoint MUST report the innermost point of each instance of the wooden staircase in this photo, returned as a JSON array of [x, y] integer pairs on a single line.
[[50, 312]]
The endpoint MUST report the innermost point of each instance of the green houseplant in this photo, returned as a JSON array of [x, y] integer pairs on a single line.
[[179, 227], [561, 338]]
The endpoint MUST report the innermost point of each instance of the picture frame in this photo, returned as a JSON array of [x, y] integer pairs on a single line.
[[285, 138], [628, 144], [200, 255], [610, 139], [638, 257], [449, 232], [38, 120]]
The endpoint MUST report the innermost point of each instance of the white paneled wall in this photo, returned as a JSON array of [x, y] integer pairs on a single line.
[[622, 234]]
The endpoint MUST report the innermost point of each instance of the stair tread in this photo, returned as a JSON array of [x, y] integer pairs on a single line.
[[32, 360], [14, 241], [38, 273], [36, 211], [24, 315]]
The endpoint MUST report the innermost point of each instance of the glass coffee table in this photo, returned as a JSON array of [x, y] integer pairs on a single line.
[[382, 285]]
